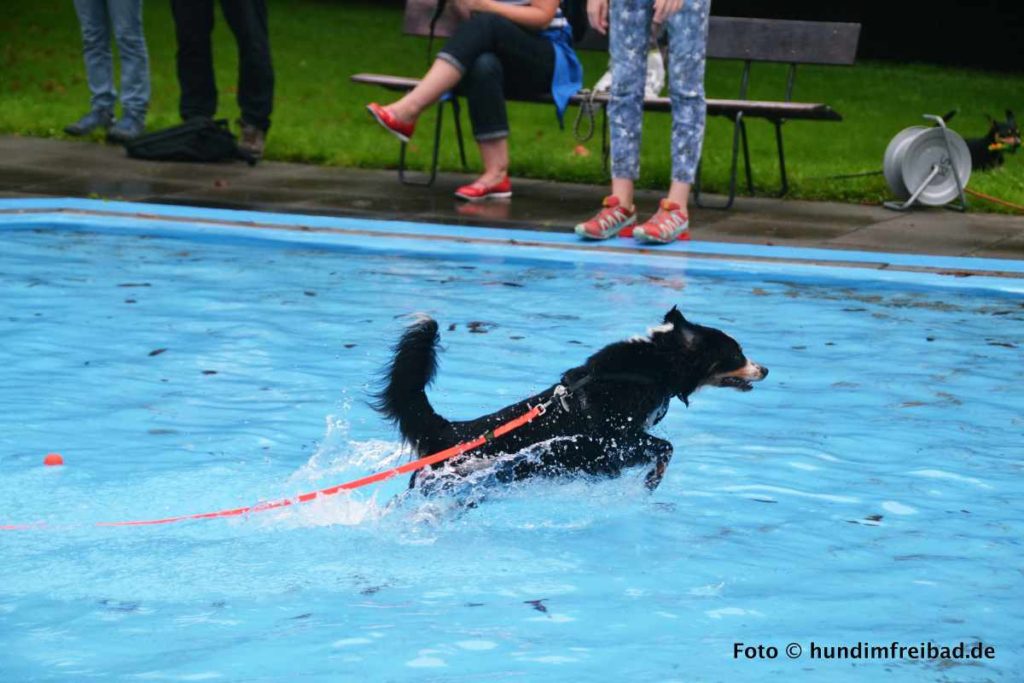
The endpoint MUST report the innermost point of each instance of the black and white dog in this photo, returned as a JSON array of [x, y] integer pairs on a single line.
[[599, 412]]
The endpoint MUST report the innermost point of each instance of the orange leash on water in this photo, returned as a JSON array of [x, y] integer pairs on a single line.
[[420, 464]]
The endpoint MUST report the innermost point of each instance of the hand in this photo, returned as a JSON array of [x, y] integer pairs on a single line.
[[663, 9], [597, 13]]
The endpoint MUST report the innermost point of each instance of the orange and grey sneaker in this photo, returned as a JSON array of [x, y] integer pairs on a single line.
[[612, 220], [668, 225]]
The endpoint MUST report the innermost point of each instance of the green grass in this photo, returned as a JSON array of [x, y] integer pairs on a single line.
[[319, 114]]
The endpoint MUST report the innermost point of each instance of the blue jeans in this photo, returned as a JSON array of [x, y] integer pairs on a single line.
[[497, 57], [630, 30], [97, 17]]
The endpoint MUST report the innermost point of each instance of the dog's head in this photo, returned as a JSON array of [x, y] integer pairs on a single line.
[[703, 356], [1004, 135]]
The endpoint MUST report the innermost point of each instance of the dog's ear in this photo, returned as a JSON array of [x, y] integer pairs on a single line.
[[681, 327], [689, 335], [1010, 119], [674, 317]]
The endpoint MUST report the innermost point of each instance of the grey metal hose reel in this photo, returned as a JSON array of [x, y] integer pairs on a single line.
[[928, 165]]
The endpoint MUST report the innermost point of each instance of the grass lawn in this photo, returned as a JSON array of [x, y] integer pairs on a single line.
[[319, 116]]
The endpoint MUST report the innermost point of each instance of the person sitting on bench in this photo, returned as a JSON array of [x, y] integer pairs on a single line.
[[522, 48]]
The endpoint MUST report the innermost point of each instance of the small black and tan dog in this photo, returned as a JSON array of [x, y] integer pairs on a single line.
[[599, 412], [987, 151], [1002, 136]]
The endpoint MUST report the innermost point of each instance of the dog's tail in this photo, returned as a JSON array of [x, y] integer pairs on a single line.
[[403, 398]]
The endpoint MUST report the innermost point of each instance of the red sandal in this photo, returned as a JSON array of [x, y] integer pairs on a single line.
[[478, 192], [401, 130]]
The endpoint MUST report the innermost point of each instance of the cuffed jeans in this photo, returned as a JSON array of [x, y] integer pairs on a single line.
[[497, 57], [629, 35], [97, 18], [193, 23]]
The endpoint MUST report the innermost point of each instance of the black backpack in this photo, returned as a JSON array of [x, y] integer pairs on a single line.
[[195, 140]]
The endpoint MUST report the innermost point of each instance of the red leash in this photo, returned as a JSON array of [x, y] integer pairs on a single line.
[[420, 464]]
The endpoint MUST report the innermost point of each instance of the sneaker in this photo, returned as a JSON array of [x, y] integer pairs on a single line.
[[127, 128], [252, 142], [401, 130], [668, 225], [97, 118], [478, 192], [613, 219]]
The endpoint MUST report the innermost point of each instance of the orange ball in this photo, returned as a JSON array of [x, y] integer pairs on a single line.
[[53, 459]]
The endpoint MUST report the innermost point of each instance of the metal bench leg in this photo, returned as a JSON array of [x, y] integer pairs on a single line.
[[782, 159], [732, 174], [746, 157], [434, 162], [605, 151], [456, 113]]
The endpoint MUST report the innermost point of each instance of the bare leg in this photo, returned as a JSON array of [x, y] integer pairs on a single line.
[[679, 192], [623, 189], [494, 154], [439, 79]]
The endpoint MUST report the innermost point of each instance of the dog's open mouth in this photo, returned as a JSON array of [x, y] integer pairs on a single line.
[[734, 382]]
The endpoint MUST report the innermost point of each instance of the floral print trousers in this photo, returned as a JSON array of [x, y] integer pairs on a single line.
[[630, 36]]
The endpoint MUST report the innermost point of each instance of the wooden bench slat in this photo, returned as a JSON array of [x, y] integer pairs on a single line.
[[716, 107], [418, 14], [759, 40], [771, 40], [783, 40]]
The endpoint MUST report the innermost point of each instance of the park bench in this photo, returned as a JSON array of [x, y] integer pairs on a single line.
[[750, 40]]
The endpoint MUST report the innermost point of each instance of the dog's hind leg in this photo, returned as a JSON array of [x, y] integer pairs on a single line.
[[659, 452]]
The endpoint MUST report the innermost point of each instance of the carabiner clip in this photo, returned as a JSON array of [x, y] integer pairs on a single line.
[[562, 395]]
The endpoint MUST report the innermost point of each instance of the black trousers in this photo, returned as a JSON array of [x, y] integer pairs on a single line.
[[193, 24], [497, 58]]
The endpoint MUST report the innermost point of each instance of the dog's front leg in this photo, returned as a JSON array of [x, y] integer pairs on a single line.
[[659, 452]]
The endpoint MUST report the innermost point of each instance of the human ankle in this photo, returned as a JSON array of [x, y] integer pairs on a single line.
[[492, 177], [402, 111]]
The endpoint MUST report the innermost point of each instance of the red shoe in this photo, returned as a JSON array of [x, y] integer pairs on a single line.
[[610, 221], [402, 131], [478, 192], [669, 224]]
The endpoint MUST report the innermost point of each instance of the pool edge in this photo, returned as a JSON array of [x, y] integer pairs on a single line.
[[311, 230]]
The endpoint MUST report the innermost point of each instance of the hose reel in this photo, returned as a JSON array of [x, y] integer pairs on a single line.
[[929, 165]]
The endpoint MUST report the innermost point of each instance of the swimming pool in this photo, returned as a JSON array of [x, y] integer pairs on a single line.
[[185, 361]]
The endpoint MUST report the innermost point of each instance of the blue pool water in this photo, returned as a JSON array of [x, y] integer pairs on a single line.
[[868, 490]]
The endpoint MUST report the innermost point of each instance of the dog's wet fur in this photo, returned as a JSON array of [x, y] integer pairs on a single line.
[[600, 429]]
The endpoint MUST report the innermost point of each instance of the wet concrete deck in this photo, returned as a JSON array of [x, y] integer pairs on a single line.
[[32, 167]]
